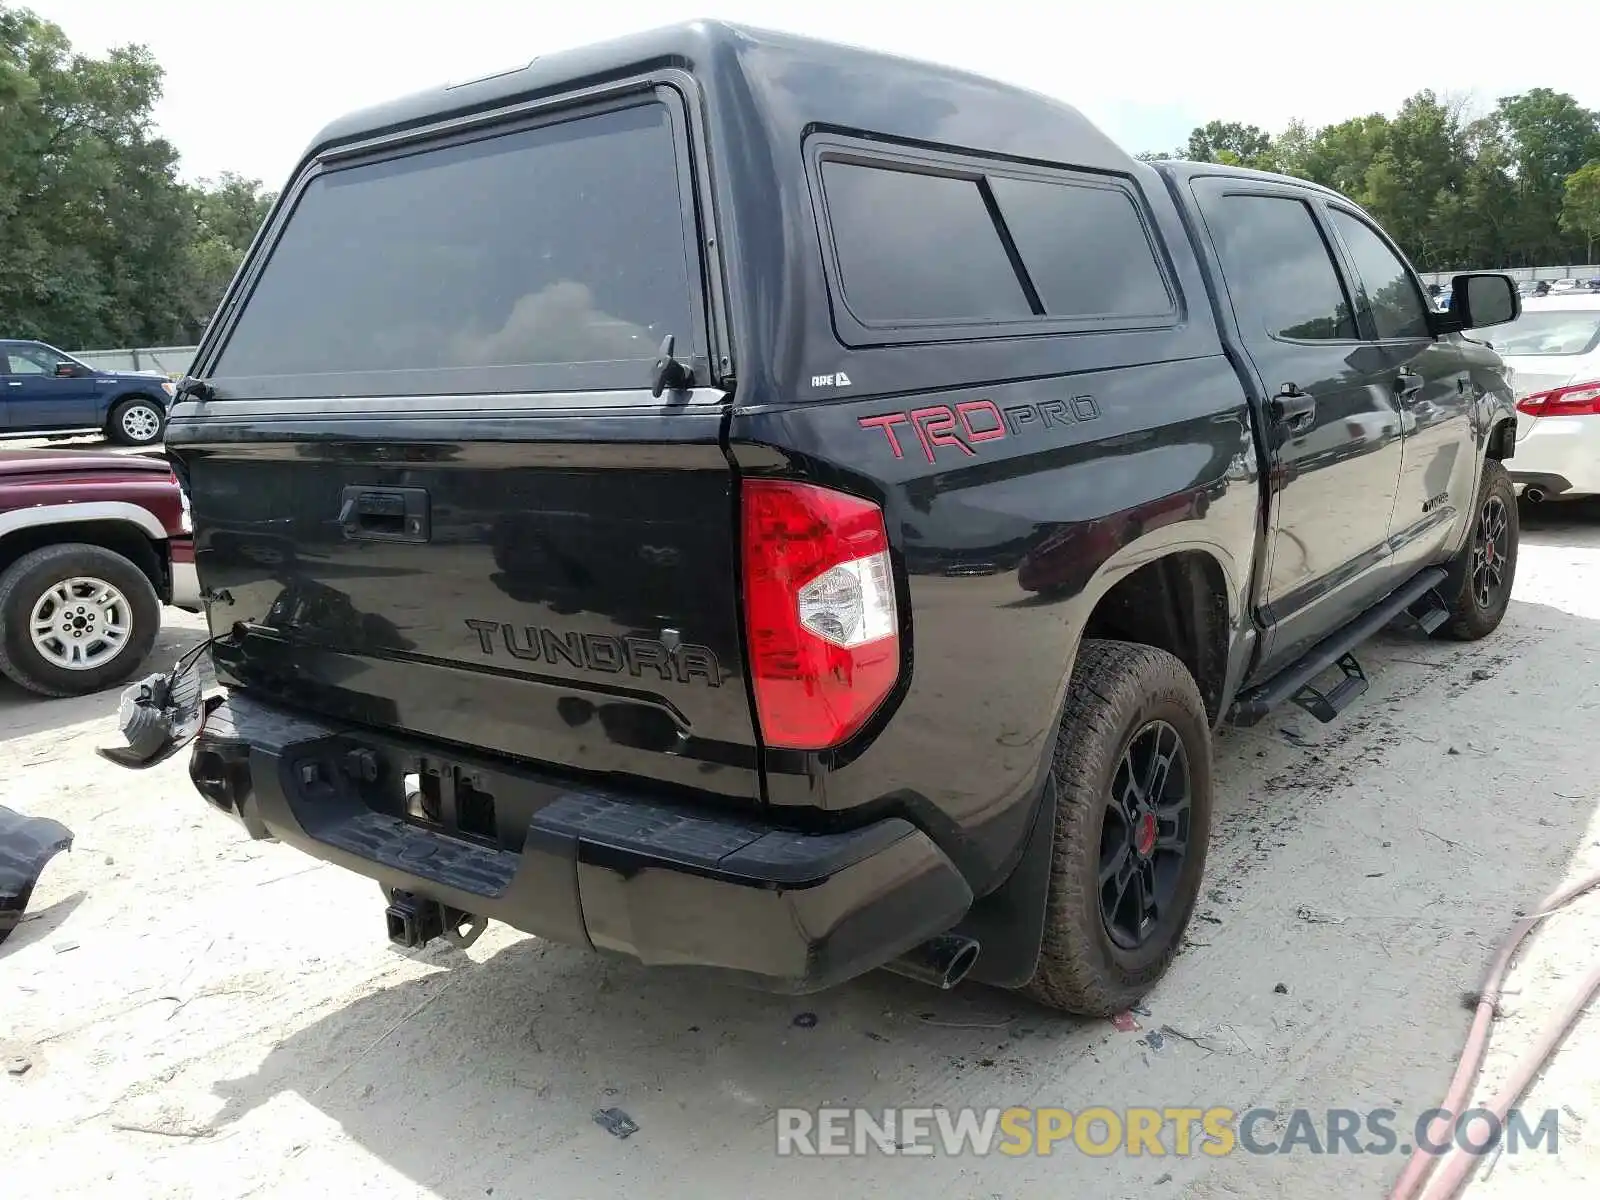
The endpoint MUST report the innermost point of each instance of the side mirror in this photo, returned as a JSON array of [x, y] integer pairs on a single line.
[[65, 370], [1480, 300]]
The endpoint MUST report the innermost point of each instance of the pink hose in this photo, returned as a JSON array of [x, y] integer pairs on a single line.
[[1458, 1164]]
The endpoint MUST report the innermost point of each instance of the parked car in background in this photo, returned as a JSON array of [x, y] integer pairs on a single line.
[[91, 546], [1553, 349], [45, 390]]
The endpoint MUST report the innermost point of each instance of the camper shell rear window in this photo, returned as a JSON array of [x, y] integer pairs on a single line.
[[551, 257]]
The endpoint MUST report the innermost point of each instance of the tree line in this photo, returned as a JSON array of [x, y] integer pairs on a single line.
[[103, 244], [1517, 186]]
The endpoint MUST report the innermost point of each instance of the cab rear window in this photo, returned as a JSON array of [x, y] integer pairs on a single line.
[[550, 258]]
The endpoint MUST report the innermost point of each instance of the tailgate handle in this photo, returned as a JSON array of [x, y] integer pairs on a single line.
[[384, 514]]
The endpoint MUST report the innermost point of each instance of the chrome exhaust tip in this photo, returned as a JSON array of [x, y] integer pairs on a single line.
[[940, 962]]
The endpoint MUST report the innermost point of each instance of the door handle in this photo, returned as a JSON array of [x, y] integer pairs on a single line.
[[13, 383], [1408, 383], [1293, 409]]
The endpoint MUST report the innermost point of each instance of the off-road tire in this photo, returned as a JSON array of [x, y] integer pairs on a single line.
[[121, 436], [1117, 689], [27, 579], [1469, 620]]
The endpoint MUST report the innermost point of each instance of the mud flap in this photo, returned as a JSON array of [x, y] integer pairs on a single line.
[[1008, 923], [26, 845]]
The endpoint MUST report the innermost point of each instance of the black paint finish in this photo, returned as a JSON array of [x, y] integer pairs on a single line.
[[571, 606]]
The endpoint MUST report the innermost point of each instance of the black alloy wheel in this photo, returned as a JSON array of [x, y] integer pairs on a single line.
[[1145, 835], [1491, 549]]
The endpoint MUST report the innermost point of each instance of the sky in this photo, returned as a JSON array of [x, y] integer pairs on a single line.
[[249, 83]]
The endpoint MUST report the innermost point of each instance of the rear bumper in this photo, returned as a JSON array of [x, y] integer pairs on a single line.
[[1547, 484], [657, 881], [1556, 450]]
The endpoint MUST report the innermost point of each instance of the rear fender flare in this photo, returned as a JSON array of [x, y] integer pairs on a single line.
[[1022, 943], [1141, 551]]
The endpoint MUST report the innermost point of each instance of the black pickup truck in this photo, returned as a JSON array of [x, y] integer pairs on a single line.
[[764, 506]]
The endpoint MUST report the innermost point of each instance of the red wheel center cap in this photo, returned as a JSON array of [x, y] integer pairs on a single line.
[[1488, 552], [1144, 839]]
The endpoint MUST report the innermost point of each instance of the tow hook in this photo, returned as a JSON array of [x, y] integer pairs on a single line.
[[413, 921]]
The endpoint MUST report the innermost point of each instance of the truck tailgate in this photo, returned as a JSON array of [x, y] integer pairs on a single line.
[[567, 598]]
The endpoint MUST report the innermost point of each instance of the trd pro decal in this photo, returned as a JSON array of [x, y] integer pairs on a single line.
[[969, 424]]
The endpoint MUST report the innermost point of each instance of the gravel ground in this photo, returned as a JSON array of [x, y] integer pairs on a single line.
[[210, 1017]]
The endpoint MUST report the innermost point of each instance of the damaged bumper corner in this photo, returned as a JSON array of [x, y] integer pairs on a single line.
[[26, 845]]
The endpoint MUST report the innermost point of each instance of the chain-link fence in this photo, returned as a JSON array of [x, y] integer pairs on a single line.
[[1584, 271], [169, 360]]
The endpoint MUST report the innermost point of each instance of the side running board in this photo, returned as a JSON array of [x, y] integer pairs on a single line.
[[1417, 599]]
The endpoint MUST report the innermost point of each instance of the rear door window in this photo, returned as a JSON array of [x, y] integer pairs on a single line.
[[549, 258], [1280, 272]]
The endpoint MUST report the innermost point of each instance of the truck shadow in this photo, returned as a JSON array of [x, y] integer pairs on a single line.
[[485, 1075], [23, 713], [39, 924]]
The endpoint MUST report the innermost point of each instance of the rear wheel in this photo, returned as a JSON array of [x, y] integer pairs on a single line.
[[1478, 588], [1133, 816], [75, 619], [138, 421]]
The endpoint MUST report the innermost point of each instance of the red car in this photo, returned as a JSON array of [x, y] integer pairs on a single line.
[[91, 546]]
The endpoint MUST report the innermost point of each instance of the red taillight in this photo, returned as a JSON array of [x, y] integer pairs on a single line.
[[819, 612], [1574, 400]]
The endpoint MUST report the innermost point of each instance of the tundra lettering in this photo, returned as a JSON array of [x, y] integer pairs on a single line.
[[599, 652]]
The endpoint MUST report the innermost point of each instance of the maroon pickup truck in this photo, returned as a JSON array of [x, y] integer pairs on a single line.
[[91, 546]]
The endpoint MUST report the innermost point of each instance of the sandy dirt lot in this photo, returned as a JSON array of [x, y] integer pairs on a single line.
[[203, 1016]]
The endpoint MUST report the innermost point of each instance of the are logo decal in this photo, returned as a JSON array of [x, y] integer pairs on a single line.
[[969, 424]]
